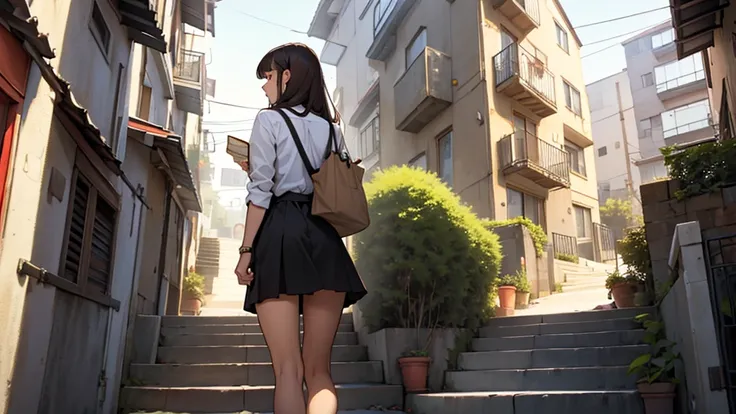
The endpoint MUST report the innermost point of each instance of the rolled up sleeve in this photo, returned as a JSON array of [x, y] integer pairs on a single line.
[[262, 161]]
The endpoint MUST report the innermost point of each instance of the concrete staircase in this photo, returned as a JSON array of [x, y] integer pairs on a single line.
[[221, 364], [208, 261], [586, 275], [569, 363]]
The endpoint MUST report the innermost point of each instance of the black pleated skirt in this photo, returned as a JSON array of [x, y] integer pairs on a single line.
[[296, 253]]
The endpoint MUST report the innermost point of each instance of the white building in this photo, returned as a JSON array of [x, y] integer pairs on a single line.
[[614, 127]]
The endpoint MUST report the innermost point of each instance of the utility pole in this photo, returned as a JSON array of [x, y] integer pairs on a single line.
[[629, 178]]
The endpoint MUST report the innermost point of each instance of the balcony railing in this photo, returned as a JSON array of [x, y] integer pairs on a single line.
[[381, 12], [535, 159], [387, 18], [564, 245], [524, 14], [525, 77], [423, 91], [689, 127], [680, 81], [605, 243], [189, 66]]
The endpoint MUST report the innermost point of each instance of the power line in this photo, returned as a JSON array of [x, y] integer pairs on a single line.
[[621, 35], [271, 23], [621, 18], [234, 105]]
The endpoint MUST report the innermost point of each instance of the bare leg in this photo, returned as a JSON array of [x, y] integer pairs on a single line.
[[279, 320], [322, 313]]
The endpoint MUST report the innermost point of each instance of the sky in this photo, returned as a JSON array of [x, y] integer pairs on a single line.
[[247, 29]]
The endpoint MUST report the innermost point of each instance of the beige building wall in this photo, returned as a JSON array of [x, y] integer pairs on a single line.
[[722, 60]]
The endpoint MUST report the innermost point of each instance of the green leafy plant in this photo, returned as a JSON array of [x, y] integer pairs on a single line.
[[634, 251], [522, 281], [539, 237], [617, 214], [614, 278], [558, 287], [426, 259], [194, 285], [567, 257], [657, 365], [702, 168], [506, 280]]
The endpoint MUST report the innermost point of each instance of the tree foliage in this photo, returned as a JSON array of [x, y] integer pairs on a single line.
[[426, 259]]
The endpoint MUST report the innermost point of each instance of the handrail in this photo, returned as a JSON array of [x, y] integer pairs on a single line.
[[514, 60], [525, 146], [189, 66], [563, 244], [678, 81]]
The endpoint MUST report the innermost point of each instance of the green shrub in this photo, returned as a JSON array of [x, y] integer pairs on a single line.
[[194, 285], [634, 251], [702, 168], [536, 231], [426, 259], [518, 280], [506, 280], [567, 257]]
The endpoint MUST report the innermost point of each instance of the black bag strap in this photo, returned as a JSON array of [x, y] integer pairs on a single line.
[[298, 142], [331, 142]]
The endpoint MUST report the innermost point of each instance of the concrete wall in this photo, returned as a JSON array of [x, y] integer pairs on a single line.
[[608, 134], [517, 246]]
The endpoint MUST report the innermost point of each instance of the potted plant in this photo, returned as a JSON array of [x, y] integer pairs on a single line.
[[523, 289], [622, 288], [656, 368], [193, 298], [415, 370], [507, 293]]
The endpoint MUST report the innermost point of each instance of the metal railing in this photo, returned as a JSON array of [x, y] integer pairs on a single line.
[[524, 146], [380, 14], [564, 245], [692, 126], [605, 243], [680, 81], [514, 60], [189, 66], [532, 9]]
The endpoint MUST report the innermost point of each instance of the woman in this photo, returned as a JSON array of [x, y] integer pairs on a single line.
[[293, 262]]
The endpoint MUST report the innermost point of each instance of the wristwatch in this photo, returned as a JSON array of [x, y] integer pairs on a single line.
[[245, 249]]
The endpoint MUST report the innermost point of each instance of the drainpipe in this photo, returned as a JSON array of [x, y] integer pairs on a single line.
[[164, 246]]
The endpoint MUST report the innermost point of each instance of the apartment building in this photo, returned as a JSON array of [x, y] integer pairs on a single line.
[[487, 94], [615, 136], [347, 27], [670, 97], [79, 194]]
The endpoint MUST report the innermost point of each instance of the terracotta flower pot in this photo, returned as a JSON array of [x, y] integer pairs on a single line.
[[623, 294], [658, 397], [190, 306], [507, 297], [522, 300], [415, 371]]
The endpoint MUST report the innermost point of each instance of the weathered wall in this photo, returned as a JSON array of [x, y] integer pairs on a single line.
[[517, 243], [716, 213]]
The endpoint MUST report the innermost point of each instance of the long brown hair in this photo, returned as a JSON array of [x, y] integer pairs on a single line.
[[307, 84]]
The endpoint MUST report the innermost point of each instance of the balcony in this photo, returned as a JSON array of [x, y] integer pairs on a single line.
[[692, 131], [681, 85], [524, 14], [423, 91], [525, 78], [387, 17], [188, 80], [541, 162]]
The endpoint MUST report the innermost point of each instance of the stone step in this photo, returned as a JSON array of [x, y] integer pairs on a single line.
[[559, 328], [585, 275], [542, 379], [234, 328], [256, 399], [252, 373], [207, 261], [551, 358], [167, 321], [574, 340], [342, 338], [244, 353], [580, 286], [593, 315], [557, 402]]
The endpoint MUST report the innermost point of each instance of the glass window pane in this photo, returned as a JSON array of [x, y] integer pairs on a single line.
[[514, 203], [532, 209], [445, 145]]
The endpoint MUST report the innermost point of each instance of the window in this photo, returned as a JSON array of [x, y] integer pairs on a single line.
[[416, 47], [445, 154], [602, 151], [583, 222], [575, 158], [144, 106], [117, 118], [663, 38], [725, 124], [562, 40], [232, 177], [380, 14], [369, 139], [679, 72], [188, 29], [686, 118], [572, 98], [646, 126], [99, 28], [91, 227], [647, 80], [617, 145], [420, 161], [519, 204], [507, 39]]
